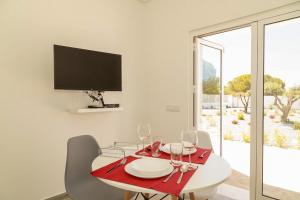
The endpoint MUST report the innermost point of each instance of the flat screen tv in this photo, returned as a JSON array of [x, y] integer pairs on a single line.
[[80, 69]]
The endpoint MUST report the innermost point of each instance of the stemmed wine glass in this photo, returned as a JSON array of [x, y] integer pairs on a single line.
[[189, 141], [144, 132]]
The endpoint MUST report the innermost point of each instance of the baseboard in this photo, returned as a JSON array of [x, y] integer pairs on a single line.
[[58, 197]]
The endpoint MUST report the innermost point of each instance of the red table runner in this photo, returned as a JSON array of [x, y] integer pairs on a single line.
[[194, 157], [119, 175]]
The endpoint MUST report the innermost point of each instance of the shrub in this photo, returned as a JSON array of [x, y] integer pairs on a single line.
[[241, 116], [265, 113], [228, 136], [280, 139], [277, 120], [266, 138], [272, 116], [235, 122], [212, 122], [296, 125], [298, 139], [246, 137], [293, 111]]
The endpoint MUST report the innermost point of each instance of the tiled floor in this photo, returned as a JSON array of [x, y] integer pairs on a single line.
[[240, 180]]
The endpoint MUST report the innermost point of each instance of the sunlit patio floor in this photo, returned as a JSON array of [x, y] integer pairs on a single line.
[[281, 168]]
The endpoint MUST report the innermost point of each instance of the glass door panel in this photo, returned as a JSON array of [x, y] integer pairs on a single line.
[[281, 109], [207, 79], [223, 72]]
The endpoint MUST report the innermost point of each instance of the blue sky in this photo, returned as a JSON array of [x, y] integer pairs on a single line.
[[282, 52]]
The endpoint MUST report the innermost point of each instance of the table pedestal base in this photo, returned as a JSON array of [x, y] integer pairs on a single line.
[[192, 196], [127, 196]]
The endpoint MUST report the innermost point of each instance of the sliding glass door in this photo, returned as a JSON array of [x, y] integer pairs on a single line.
[[278, 107], [222, 106], [246, 81]]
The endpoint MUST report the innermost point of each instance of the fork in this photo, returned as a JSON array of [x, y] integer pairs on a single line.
[[123, 162]]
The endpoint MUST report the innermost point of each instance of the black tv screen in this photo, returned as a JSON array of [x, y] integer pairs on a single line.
[[80, 69]]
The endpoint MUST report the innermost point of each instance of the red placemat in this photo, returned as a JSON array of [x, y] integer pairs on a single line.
[[194, 157], [119, 175]]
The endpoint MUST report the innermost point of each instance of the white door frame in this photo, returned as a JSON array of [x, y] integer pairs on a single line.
[[252, 20], [260, 97], [198, 92]]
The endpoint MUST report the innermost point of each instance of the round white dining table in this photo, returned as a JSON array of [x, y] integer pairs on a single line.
[[214, 172]]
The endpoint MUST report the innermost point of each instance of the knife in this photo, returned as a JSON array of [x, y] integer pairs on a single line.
[[203, 154]]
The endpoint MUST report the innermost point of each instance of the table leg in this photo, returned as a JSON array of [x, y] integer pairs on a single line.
[[174, 197], [127, 195], [147, 195], [192, 196]]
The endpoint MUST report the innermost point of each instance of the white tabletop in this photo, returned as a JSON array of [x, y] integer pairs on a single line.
[[215, 171]]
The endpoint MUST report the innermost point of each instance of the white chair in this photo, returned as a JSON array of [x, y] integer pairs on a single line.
[[205, 142]]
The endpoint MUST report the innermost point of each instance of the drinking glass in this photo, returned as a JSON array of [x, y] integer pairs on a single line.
[[189, 141], [156, 143], [176, 150], [144, 132]]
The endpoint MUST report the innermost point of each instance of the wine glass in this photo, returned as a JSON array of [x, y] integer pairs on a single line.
[[144, 132], [189, 141]]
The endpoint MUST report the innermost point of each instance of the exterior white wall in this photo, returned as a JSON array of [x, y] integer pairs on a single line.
[[34, 123]]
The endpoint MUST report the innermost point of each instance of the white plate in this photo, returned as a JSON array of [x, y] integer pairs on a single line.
[[149, 168], [166, 149]]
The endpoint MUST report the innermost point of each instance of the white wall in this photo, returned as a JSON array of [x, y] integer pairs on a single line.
[[168, 24], [34, 125], [153, 39]]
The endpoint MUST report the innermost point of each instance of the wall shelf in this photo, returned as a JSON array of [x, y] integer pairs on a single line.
[[96, 110]]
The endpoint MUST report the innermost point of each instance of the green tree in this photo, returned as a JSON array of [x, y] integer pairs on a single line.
[[211, 86], [273, 86], [240, 87], [276, 87]]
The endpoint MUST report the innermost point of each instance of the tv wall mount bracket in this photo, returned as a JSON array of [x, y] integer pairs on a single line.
[[96, 96]]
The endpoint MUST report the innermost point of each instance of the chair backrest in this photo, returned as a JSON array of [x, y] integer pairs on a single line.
[[81, 151], [204, 140]]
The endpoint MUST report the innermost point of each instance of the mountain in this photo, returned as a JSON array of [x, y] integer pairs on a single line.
[[209, 71]]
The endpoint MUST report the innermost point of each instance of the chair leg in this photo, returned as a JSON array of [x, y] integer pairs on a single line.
[[192, 196], [127, 195]]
